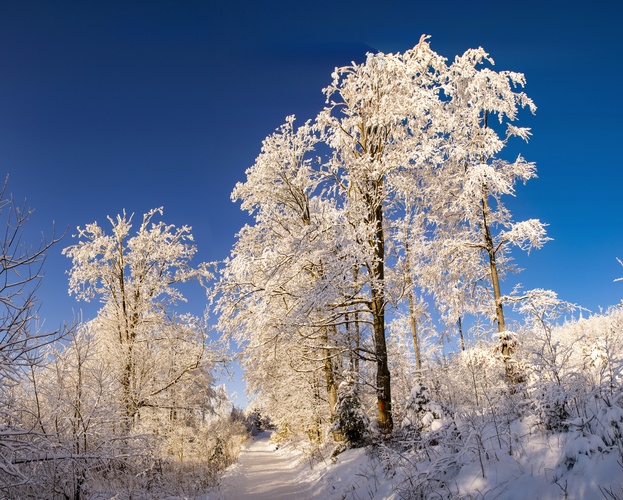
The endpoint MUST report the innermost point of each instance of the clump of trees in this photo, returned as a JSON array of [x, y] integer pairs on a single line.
[[125, 403], [389, 204], [160, 359], [379, 232]]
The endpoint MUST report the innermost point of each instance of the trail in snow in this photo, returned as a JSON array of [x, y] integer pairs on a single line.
[[264, 472]]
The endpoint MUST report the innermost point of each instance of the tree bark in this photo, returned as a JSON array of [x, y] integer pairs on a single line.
[[331, 391], [329, 373], [506, 343], [493, 268], [459, 323], [413, 323], [383, 377]]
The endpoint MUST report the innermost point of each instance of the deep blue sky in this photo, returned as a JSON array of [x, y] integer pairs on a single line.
[[119, 104]]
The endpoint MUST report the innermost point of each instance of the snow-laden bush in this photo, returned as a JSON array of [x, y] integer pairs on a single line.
[[550, 404], [575, 369], [467, 380]]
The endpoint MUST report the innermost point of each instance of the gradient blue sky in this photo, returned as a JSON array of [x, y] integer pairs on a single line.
[[112, 105]]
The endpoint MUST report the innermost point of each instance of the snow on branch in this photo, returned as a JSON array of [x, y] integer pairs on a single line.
[[526, 235]]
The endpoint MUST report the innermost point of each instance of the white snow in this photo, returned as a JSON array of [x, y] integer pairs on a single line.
[[266, 472], [533, 471]]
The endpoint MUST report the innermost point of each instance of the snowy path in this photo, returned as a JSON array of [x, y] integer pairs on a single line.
[[266, 473]]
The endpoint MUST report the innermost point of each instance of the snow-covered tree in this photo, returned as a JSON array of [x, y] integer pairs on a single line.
[[155, 350], [283, 287], [71, 404], [351, 421], [475, 229], [378, 123]]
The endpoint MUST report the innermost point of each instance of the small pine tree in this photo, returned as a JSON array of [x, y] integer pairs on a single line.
[[255, 421], [350, 420], [422, 414]]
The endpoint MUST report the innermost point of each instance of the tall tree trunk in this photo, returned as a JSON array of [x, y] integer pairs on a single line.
[[493, 268], [459, 323], [126, 391], [330, 380], [331, 391], [353, 333], [412, 318], [383, 377], [489, 246], [413, 323], [355, 339], [506, 342], [329, 373]]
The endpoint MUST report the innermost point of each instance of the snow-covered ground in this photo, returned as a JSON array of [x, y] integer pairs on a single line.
[[535, 470], [265, 472]]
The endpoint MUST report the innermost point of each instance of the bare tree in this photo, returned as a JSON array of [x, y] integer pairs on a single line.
[[21, 272]]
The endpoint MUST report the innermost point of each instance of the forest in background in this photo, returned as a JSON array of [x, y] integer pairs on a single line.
[[365, 298]]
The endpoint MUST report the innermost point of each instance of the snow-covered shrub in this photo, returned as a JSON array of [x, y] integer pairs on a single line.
[[255, 421], [470, 377], [550, 402], [422, 414], [574, 369], [506, 349], [608, 425], [581, 444], [351, 420]]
